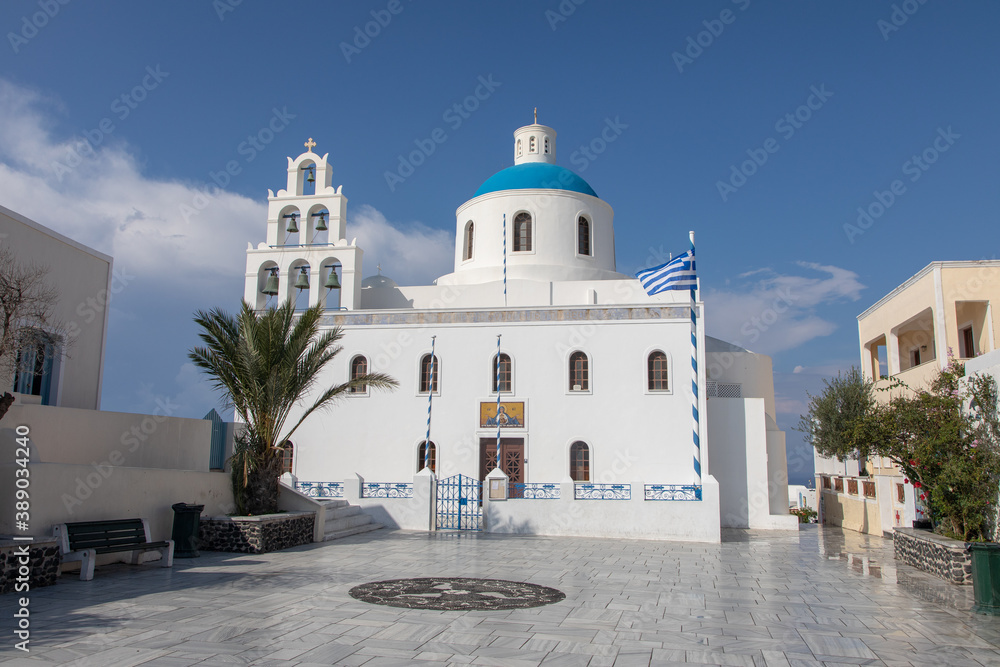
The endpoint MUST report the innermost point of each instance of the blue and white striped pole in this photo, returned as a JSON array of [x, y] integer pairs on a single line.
[[498, 401], [694, 371], [430, 398], [504, 262]]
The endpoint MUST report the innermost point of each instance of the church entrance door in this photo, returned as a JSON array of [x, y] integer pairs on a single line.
[[511, 458]]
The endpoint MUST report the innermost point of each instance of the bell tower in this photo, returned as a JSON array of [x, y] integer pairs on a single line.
[[306, 245]]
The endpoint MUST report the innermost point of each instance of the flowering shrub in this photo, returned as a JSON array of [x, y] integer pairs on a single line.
[[946, 440], [805, 514]]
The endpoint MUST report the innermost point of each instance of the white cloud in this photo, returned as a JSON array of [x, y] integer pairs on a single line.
[[414, 254], [776, 311], [100, 197]]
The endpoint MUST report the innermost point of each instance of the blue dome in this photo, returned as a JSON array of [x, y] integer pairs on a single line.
[[535, 176]]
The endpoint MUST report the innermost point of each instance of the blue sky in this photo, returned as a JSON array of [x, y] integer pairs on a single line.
[[829, 102]]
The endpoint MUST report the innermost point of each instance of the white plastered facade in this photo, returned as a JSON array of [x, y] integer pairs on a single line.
[[561, 296]]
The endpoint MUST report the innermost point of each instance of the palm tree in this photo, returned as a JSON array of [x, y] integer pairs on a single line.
[[266, 363]]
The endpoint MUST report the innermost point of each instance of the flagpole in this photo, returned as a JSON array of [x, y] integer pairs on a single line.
[[504, 262], [694, 370], [498, 400], [430, 398]]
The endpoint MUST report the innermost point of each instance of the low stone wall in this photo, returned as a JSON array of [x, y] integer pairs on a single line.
[[256, 534], [45, 559], [941, 556]]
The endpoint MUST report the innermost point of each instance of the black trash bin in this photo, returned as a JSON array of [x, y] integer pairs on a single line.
[[185, 533]]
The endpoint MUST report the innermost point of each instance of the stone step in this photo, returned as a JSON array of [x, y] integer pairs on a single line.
[[351, 531], [335, 525], [342, 512], [333, 503]]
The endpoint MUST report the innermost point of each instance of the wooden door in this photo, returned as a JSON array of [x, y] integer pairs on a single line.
[[511, 457]]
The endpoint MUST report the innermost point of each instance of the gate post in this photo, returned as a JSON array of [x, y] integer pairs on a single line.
[[352, 488], [494, 490], [425, 497]]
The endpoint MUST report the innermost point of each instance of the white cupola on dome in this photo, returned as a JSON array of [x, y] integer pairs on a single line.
[[534, 143], [534, 221]]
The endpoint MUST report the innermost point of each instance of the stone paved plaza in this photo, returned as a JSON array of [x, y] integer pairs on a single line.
[[816, 597]]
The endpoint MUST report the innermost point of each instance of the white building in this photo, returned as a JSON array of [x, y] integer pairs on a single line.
[[595, 375]]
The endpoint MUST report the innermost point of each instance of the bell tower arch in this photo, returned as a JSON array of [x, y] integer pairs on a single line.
[[306, 225]]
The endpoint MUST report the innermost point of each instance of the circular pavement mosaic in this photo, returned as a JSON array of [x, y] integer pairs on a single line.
[[456, 594]]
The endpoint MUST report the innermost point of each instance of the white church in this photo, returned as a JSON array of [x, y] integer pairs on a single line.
[[589, 377]]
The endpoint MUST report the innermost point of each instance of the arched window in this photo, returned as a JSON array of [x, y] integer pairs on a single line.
[[656, 371], [467, 245], [422, 456], [429, 373], [359, 367], [546, 145], [583, 236], [502, 373], [287, 454], [531, 144], [519, 148], [579, 462], [579, 372], [522, 232]]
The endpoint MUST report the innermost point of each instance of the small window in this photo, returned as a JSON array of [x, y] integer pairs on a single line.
[[33, 370], [430, 371], [423, 457], [583, 236], [287, 455], [579, 372], [579, 462], [502, 373], [968, 343], [656, 371], [546, 145], [915, 357], [467, 245], [531, 145], [900, 493], [359, 368], [522, 232], [519, 148]]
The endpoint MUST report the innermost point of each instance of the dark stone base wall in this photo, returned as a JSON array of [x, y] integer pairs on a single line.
[[938, 555], [258, 534], [45, 560]]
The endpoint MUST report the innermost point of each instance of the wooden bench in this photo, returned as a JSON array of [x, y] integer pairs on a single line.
[[85, 540]]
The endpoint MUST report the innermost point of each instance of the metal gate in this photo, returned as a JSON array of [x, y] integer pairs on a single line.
[[458, 503]]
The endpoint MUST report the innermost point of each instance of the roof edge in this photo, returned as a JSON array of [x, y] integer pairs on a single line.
[[953, 264]]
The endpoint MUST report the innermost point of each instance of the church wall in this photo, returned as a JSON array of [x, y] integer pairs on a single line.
[[636, 518], [554, 237], [631, 432], [82, 278], [748, 461]]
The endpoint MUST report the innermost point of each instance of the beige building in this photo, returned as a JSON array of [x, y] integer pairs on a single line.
[[65, 375], [944, 310], [87, 464]]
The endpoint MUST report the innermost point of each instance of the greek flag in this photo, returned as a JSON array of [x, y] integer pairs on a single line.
[[677, 274]]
